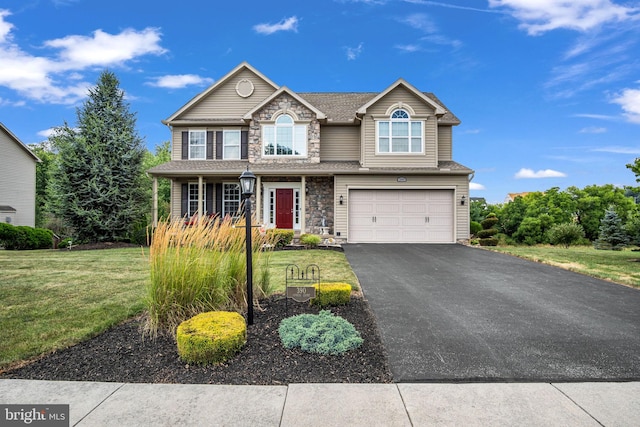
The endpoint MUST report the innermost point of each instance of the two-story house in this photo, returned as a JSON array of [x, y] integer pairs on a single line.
[[372, 167], [17, 180]]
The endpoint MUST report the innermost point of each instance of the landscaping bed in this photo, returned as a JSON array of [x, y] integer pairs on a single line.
[[121, 354]]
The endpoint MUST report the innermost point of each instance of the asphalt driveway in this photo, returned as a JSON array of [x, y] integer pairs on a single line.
[[454, 313]]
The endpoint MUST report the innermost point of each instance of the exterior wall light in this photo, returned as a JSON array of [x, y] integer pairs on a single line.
[[462, 200], [341, 200]]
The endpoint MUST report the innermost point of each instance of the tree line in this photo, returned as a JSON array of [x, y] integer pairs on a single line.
[[533, 218]]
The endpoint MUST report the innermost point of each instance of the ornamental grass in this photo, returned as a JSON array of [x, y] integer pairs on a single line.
[[201, 267]]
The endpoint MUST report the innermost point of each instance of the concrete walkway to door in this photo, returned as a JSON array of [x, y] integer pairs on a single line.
[[455, 313]]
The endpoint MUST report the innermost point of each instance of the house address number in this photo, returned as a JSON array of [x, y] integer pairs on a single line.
[[301, 293]]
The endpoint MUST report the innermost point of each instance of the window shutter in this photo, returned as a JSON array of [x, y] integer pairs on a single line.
[[185, 145], [184, 206], [208, 200], [219, 199], [244, 144], [219, 145], [209, 145]]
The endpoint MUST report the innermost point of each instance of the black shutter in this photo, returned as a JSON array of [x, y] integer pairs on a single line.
[[208, 200], [219, 199], [185, 145], [244, 144], [209, 145], [219, 145], [184, 209]]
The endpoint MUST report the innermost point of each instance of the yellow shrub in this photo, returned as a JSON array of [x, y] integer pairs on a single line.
[[332, 294], [211, 337]]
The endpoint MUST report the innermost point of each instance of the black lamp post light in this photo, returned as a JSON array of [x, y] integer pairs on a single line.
[[247, 186]]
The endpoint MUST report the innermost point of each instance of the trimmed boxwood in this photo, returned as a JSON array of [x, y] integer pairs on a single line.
[[211, 337], [310, 240], [331, 294], [23, 237], [280, 238]]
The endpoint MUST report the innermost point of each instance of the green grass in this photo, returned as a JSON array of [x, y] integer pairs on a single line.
[[52, 299], [617, 266], [334, 266]]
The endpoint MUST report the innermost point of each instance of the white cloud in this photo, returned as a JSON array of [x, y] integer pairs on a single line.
[[287, 24], [420, 21], [476, 186], [629, 100], [46, 133], [408, 48], [423, 23], [595, 116], [618, 150], [525, 173], [540, 16], [593, 129], [104, 49], [56, 78], [354, 52], [176, 81]]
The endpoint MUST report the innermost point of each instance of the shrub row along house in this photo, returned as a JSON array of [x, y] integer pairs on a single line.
[[370, 167]]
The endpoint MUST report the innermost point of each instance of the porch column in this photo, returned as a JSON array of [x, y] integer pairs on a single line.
[[200, 197], [154, 211], [259, 216], [303, 203]]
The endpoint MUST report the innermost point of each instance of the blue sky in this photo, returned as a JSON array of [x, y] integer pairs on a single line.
[[548, 91]]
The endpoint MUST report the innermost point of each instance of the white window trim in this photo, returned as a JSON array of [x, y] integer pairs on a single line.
[[270, 187], [224, 213], [390, 121], [294, 125], [225, 145], [204, 145], [190, 200]]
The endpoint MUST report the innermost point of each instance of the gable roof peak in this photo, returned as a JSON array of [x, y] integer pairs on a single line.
[[20, 143], [244, 65], [439, 110], [283, 89]]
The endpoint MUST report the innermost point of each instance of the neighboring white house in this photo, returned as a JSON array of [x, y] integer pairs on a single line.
[[17, 180]]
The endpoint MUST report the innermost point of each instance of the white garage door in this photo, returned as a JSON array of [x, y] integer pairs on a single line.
[[392, 216]]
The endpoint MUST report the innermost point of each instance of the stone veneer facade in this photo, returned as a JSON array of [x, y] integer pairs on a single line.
[[319, 203], [283, 104]]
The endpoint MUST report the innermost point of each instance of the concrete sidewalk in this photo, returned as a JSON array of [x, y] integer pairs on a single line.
[[495, 404]]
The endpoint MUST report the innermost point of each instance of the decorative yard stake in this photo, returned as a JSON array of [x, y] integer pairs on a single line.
[[301, 285]]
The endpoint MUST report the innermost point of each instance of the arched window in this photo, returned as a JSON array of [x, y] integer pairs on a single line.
[[400, 134], [284, 138]]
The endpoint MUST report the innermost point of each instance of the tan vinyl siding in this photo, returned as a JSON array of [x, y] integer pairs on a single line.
[[17, 181], [225, 102], [176, 196], [176, 137], [379, 110], [458, 183], [445, 137], [339, 143]]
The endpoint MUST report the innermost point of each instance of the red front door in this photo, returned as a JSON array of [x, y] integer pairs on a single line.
[[284, 208]]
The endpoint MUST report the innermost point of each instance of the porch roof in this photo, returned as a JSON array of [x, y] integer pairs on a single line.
[[177, 168]]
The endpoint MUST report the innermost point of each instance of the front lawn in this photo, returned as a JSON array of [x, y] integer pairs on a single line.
[[51, 299], [617, 266]]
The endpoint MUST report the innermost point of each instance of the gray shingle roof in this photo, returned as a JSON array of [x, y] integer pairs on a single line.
[[235, 168]]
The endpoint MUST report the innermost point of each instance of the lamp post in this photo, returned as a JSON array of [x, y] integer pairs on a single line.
[[247, 186]]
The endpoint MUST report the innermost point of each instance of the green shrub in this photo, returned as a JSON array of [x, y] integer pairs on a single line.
[[65, 243], [323, 333], [211, 337], [489, 222], [310, 240], [490, 241], [565, 234], [332, 294], [23, 237], [279, 237], [474, 227], [612, 233], [483, 234]]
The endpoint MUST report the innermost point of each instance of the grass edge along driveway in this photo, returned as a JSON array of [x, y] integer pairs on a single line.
[[53, 299]]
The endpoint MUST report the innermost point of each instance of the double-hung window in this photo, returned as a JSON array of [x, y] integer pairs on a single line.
[[193, 199], [284, 138], [231, 145], [400, 134], [197, 144], [230, 199]]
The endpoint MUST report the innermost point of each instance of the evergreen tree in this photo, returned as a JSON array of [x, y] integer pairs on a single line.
[[612, 233], [96, 184]]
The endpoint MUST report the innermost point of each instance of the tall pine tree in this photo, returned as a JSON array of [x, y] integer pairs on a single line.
[[96, 184], [612, 233]]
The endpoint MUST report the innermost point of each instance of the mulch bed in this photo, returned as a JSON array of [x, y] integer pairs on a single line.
[[121, 354]]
